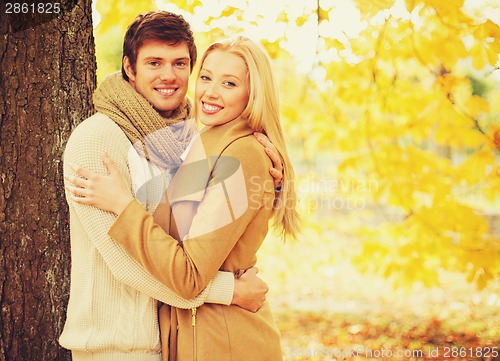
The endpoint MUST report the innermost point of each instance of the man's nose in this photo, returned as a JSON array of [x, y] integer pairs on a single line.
[[167, 73]]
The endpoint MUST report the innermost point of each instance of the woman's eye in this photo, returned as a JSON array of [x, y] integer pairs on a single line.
[[204, 77], [230, 83]]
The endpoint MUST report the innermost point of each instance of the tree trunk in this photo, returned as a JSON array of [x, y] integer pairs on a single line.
[[47, 78]]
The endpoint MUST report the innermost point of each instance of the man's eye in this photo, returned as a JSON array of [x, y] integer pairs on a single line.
[[154, 63], [181, 64]]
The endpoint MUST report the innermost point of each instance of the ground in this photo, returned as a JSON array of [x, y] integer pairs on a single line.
[[327, 310]]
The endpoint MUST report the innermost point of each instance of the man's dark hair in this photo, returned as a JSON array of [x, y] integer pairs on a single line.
[[161, 26]]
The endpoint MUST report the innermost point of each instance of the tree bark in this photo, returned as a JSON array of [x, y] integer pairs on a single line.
[[47, 78]]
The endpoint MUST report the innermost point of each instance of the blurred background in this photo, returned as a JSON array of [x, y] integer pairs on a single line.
[[392, 116]]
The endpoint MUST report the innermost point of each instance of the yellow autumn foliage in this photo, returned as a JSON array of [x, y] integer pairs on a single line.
[[397, 117]]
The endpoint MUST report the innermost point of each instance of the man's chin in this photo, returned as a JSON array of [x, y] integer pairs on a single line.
[[162, 107], [166, 112]]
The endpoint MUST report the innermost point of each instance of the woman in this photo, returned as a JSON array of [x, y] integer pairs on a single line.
[[222, 199]]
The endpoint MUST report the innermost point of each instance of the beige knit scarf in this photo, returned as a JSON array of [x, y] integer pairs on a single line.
[[160, 140]]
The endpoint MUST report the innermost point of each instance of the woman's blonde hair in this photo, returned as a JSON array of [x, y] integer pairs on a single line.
[[262, 114]]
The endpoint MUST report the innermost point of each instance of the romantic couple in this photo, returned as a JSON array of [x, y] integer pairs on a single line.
[[166, 220]]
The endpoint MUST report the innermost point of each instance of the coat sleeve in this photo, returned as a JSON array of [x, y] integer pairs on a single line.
[[85, 148], [231, 200]]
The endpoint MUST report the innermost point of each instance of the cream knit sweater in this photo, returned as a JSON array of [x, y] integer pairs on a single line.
[[113, 309]]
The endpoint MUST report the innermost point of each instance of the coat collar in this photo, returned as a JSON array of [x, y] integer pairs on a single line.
[[216, 139]]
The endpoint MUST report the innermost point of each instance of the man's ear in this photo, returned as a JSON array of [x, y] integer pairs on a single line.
[[128, 68]]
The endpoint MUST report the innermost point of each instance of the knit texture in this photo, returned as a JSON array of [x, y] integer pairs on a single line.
[[158, 139], [112, 307]]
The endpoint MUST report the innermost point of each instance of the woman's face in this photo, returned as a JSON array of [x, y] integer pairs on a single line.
[[222, 88]]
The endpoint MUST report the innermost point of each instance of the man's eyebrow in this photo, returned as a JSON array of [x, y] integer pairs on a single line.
[[160, 58], [153, 58]]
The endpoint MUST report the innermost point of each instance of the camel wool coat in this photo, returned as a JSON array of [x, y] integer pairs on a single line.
[[235, 193]]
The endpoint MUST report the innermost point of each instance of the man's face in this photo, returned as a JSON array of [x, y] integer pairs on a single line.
[[162, 74]]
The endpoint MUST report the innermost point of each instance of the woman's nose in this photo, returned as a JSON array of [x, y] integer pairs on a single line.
[[211, 91]]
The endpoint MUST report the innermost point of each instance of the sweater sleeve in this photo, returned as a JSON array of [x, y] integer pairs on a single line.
[[85, 148], [231, 201]]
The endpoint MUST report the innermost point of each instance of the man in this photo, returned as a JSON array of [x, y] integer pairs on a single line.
[[142, 124]]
